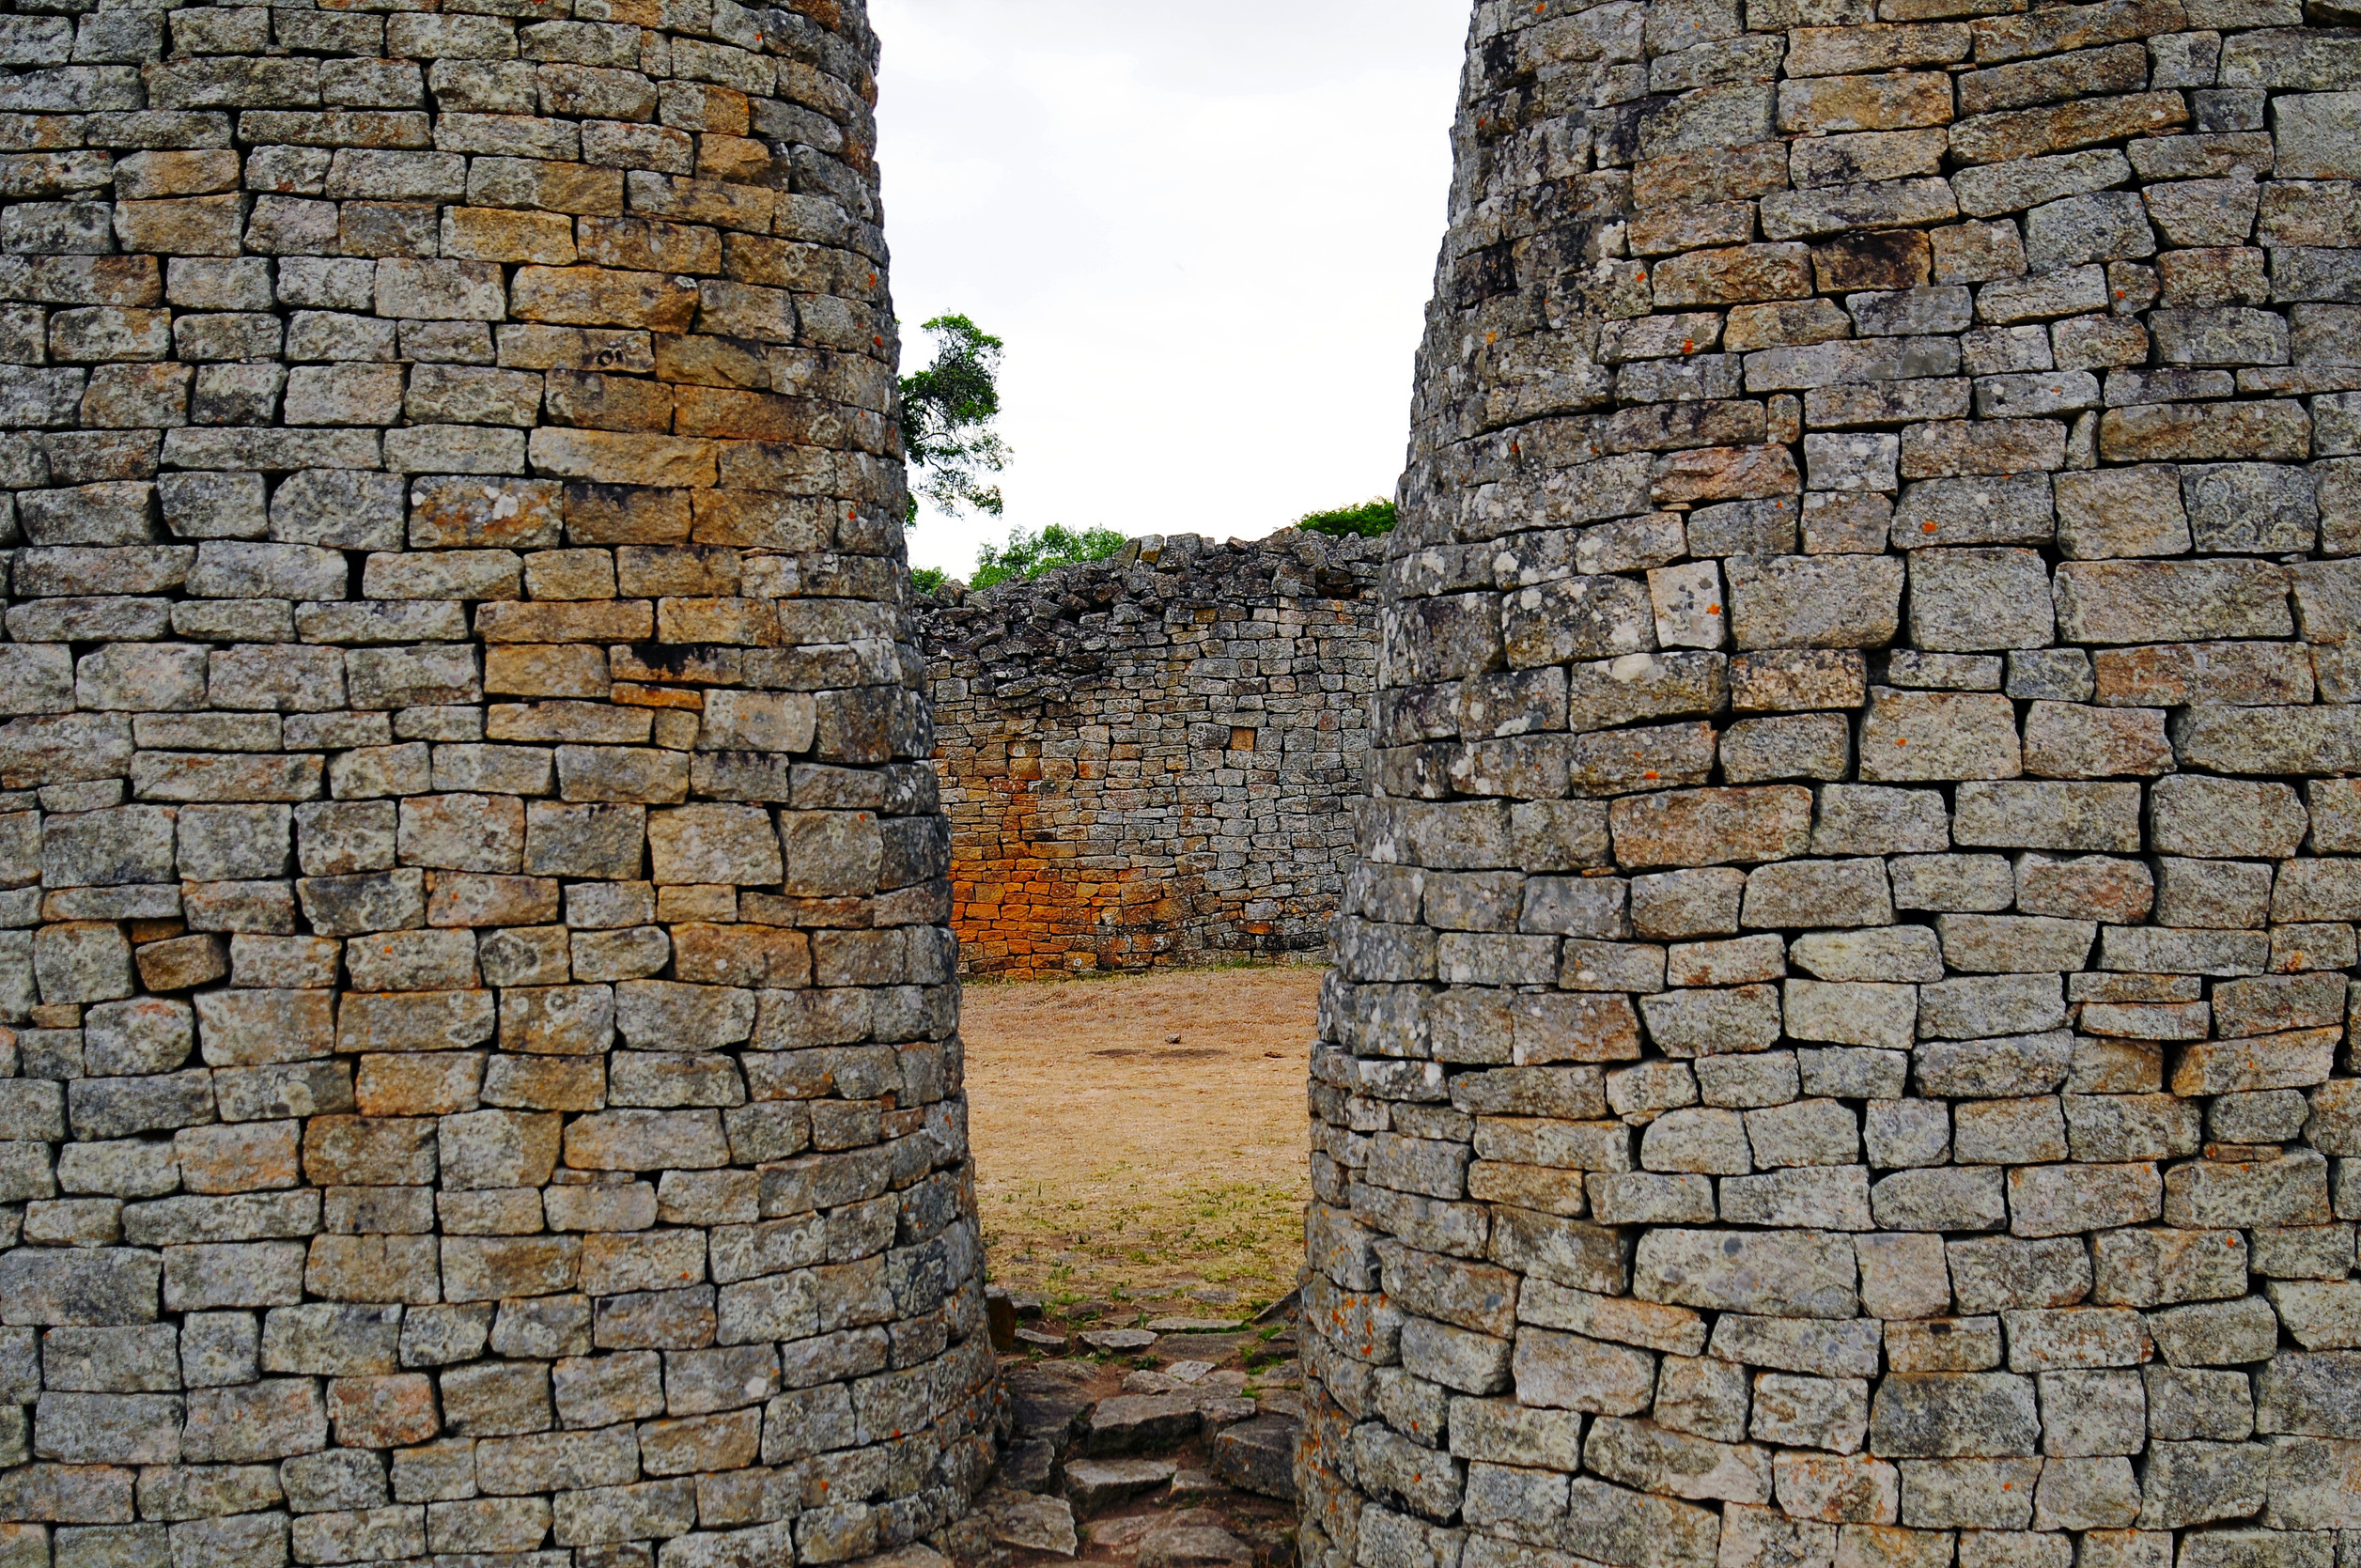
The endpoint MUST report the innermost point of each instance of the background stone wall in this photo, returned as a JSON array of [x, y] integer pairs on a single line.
[[1838, 1057], [1152, 760], [483, 1083]]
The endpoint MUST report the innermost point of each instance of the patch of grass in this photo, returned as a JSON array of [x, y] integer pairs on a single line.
[[1151, 1245]]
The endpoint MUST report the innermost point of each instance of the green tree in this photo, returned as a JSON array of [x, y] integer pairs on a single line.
[[1031, 554], [947, 414], [1366, 521]]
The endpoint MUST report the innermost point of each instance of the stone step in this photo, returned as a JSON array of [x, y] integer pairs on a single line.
[[1045, 1404], [1138, 1423], [912, 1556], [1194, 1546], [1121, 1537], [1221, 1409], [1028, 1463], [1181, 1376], [1095, 1485], [1189, 1485], [1259, 1456], [1196, 1324], [1029, 1521]]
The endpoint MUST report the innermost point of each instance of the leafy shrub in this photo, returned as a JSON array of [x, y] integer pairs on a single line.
[[1029, 554], [1366, 521]]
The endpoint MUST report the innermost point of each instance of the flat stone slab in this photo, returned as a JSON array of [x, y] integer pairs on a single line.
[[1028, 1463], [1196, 1324], [1117, 1339], [1093, 1485], [1225, 1406], [1202, 1378], [1195, 1484], [1193, 1547], [1035, 1523], [1043, 1404], [1284, 1374], [1282, 1401], [912, 1556], [1122, 1536], [1259, 1456], [1138, 1423]]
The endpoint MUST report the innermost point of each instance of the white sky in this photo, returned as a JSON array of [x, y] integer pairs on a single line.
[[1206, 230]]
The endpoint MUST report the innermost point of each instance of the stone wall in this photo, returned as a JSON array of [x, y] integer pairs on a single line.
[[484, 1081], [1152, 760], [1838, 1055]]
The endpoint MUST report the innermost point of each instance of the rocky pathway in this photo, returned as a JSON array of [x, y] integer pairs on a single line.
[[1165, 1446]]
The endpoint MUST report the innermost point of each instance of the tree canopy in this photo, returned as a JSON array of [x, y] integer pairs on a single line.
[[947, 414], [1029, 554]]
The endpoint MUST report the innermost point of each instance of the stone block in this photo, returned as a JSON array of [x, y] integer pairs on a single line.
[[2221, 817], [1912, 736], [1824, 602], [1781, 1274], [1972, 600]]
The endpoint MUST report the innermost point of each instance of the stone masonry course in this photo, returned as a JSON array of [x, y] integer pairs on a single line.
[[482, 1084], [1839, 1048], [1154, 760]]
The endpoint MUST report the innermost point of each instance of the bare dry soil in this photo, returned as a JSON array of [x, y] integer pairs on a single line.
[[1140, 1139]]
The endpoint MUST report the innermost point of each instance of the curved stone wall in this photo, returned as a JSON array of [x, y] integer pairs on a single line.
[[1838, 1055], [1154, 759], [484, 1080]]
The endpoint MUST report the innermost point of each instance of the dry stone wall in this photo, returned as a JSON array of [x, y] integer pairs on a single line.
[[1153, 760], [1838, 1056], [483, 1084]]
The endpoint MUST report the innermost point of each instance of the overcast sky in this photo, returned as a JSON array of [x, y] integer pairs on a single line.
[[1207, 232]]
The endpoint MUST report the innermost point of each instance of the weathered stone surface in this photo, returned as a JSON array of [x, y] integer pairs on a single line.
[[2105, 601], [1777, 1274], [1911, 736], [2089, 747], [2121, 511], [1684, 828], [2211, 432], [2051, 483], [366, 598]]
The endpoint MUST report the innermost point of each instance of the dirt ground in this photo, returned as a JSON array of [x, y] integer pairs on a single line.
[[1140, 1139]]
